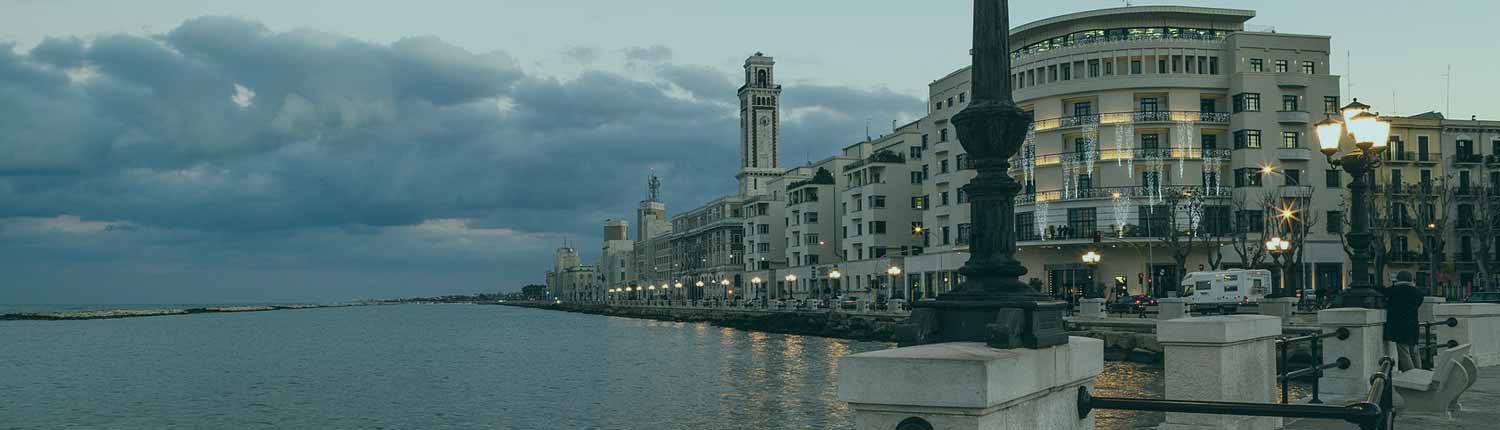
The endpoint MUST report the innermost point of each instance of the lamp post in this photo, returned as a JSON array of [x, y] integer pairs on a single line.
[[895, 273], [755, 287], [1092, 259], [993, 305], [791, 280], [1278, 249], [725, 283], [1369, 134], [834, 275]]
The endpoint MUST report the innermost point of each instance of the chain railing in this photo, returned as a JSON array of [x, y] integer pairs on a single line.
[[1285, 375], [1375, 411], [1429, 345]]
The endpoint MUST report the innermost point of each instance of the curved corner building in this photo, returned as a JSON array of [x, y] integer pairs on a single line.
[[1159, 133]]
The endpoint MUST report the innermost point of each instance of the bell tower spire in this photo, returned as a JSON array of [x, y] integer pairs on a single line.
[[760, 125]]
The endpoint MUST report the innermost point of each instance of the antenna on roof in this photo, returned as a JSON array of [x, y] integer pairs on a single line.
[[867, 129], [1448, 92]]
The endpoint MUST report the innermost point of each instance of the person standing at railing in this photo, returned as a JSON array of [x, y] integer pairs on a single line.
[[1402, 299]]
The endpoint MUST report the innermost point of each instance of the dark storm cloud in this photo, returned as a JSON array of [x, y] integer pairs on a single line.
[[225, 128]]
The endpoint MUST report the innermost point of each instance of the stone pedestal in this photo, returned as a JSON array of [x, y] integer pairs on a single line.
[[1478, 325], [1171, 308], [1280, 307], [1228, 358], [1424, 313], [970, 386], [1091, 308], [1363, 348]]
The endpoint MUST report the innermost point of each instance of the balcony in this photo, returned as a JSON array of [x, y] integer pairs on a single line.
[[1120, 192], [1405, 257], [1399, 189], [1291, 117], [884, 156], [1427, 158], [1129, 117], [1296, 191], [1102, 155], [1303, 154], [1466, 159], [1394, 157], [1121, 41], [1492, 159], [1293, 80]]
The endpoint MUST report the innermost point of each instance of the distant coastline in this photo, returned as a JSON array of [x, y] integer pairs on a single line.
[[101, 314]]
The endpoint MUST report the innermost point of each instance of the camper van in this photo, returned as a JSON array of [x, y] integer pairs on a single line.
[[1225, 289]]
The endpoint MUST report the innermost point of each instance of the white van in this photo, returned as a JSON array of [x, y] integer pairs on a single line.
[[1225, 289]]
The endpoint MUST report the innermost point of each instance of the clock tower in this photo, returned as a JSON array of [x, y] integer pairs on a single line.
[[760, 126]]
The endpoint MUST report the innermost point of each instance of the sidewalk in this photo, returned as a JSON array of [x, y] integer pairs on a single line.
[[1479, 411]]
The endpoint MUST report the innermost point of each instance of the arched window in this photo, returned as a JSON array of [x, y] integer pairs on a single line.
[[760, 77]]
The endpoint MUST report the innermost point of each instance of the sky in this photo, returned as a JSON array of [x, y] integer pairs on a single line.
[[198, 151]]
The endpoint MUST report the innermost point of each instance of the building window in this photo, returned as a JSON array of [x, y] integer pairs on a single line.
[[1051, 74], [1330, 104], [1176, 64], [1291, 177], [915, 152], [1281, 66], [1257, 65], [960, 161], [1067, 72], [1252, 221], [943, 166], [810, 217], [1247, 177], [810, 238], [763, 247], [943, 135], [877, 202], [1150, 141], [961, 96], [1246, 139], [1335, 221], [924, 140], [1150, 104], [962, 196], [1331, 178], [937, 106], [1208, 105], [1153, 218], [943, 198], [1135, 67], [1083, 109], [1309, 68], [946, 241], [1026, 226], [1289, 103], [917, 203], [1082, 222], [1210, 142], [1246, 102], [1289, 140], [963, 233], [916, 177], [1109, 68], [1213, 65]]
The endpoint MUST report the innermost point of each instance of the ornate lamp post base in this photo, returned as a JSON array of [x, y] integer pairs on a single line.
[[1024, 322]]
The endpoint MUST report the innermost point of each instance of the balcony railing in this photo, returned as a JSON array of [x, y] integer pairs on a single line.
[[1466, 158], [1125, 154], [1123, 39], [1129, 117], [1121, 192]]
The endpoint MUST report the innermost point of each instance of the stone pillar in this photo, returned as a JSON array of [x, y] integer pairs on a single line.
[[1229, 358], [1171, 308], [970, 386], [1424, 313], [1091, 308], [1478, 326], [1280, 307], [1364, 348]]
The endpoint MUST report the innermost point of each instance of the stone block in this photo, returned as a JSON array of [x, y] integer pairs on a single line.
[[1425, 312], [1478, 325], [967, 385], [1220, 329], [1091, 308], [1171, 308], [1220, 358], [1364, 348]]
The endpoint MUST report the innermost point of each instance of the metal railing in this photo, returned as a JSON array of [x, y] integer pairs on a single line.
[[1126, 154], [1376, 411], [1080, 120], [1428, 345], [1121, 192], [1284, 375]]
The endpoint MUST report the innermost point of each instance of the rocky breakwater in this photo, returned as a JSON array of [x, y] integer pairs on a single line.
[[870, 327], [99, 314]]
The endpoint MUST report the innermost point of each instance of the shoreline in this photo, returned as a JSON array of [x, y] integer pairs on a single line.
[[103, 314]]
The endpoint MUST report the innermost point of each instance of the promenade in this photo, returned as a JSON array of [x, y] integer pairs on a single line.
[[1478, 411]]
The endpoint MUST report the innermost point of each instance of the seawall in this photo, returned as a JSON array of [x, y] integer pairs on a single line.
[[841, 325]]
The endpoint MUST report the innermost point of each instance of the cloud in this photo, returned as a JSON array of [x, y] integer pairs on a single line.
[[582, 55], [648, 54], [223, 144]]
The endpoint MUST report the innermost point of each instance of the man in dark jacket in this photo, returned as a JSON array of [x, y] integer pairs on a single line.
[[1402, 300]]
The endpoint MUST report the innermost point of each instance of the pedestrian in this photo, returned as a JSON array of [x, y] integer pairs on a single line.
[[1402, 299]]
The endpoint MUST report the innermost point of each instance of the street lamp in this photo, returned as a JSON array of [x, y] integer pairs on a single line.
[[1092, 259], [1278, 249], [755, 281], [725, 283], [1369, 134], [992, 129]]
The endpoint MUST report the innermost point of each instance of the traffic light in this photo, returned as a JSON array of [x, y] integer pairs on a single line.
[[1098, 236], [1141, 277]]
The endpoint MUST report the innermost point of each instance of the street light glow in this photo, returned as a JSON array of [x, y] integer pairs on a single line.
[[893, 271], [791, 278], [835, 274]]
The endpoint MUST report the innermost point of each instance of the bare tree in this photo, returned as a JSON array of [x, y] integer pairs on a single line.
[[1249, 233], [1434, 203], [1486, 202], [1294, 221]]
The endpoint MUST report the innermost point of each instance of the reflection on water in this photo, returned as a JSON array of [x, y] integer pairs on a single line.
[[454, 366]]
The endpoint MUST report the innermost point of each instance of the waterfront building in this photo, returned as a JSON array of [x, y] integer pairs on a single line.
[[1150, 147], [617, 261], [880, 212], [570, 279]]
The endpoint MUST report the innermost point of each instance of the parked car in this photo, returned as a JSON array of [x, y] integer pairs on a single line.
[[1135, 303], [1483, 297], [849, 303]]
